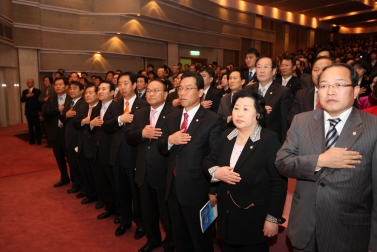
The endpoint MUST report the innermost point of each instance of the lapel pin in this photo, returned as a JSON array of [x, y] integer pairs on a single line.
[[354, 133], [163, 117], [137, 107], [270, 92], [251, 147], [197, 120]]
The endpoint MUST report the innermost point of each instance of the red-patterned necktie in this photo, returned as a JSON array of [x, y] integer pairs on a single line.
[[184, 123], [184, 128]]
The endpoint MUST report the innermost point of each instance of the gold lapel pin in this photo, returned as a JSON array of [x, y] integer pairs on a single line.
[[354, 133], [251, 147], [197, 120], [137, 107], [163, 117], [270, 92]]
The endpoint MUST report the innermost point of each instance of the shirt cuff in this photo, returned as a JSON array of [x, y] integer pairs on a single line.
[[119, 121], [212, 173]]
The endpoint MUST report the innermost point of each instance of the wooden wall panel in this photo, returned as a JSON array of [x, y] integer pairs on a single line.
[[26, 14], [88, 63], [27, 37], [6, 9], [116, 6], [60, 20], [81, 5], [108, 23]]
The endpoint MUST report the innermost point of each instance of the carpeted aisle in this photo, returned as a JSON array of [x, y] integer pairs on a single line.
[[35, 216]]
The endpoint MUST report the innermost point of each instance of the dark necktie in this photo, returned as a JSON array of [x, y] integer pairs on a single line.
[[139, 95], [332, 135], [250, 75], [72, 103]]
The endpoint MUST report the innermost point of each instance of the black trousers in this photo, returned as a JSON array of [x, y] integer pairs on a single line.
[[34, 126], [185, 222], [154, 208], [58, 147], [74, 169], [128, 195], [105, 184], [87, 172]]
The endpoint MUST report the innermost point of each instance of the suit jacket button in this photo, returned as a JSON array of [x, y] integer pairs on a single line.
[[149, 147], [322, 184], [228, 192]]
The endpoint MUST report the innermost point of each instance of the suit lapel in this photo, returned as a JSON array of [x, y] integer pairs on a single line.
[[317, 132], [246, 152], [270, 92], [195, 122], [136, 105], [162, 118], [351, 131]]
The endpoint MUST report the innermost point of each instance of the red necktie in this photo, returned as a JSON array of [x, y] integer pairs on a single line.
[[184, 128]]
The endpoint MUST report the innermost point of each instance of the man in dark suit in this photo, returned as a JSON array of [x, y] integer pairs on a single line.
[[236, 80], [151, 166], [43, 98], [277, 97], [251, 57], [103, 174], [54, 107], [287, 67], [172, 97], [306, 99], [306, 79], [71, 136], [85, 143], [32, 109], [188, 136], [211, 95], [141, 86], [123, 156], [334, 203]]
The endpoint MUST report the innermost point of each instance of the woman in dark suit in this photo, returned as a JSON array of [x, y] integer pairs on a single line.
[[251, 193], [361, 68]]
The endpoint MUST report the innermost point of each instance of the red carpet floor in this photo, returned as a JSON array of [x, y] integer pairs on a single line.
[[34, 216]]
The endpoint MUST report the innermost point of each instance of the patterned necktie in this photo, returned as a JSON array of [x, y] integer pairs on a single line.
[[332, 135], [127, 109], [72, 104], [90, 111], [139, 94], [153, 119], [185, 122], [261, 91]]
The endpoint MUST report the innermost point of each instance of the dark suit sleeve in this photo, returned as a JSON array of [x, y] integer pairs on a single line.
[[79, 116], [279, 184], [213, 156], [62, 116], [215, 133], [216, 101], [285, 108], [51, 109], [110, 119], [162, 144], [23, 96]]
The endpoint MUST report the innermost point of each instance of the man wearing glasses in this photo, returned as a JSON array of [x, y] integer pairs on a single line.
[[151, 166], [188, 137], [332, 152], [278, 98]]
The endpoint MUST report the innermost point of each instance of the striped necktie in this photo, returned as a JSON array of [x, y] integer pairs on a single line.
[[332, 135]]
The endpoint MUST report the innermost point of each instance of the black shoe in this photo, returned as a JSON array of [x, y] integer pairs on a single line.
[[139, 233], [61, 183], [81, 195], [73, 190], [87, 201], [122, 229], [100, 204], [104, 215], [117, 219], [148, 248]]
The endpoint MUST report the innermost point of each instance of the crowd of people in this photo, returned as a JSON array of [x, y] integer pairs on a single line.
[[155, 147]]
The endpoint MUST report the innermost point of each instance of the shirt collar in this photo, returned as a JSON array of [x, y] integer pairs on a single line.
[[133, 98], [206, 90], [159, 109], [192, 111], [255, 135], [64, 96], [107, 104], [343, 116]]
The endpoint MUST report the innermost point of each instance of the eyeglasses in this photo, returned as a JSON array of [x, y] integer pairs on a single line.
[[335, 85], [185, 88], [285, 65], [153, 90], [264, 67]]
